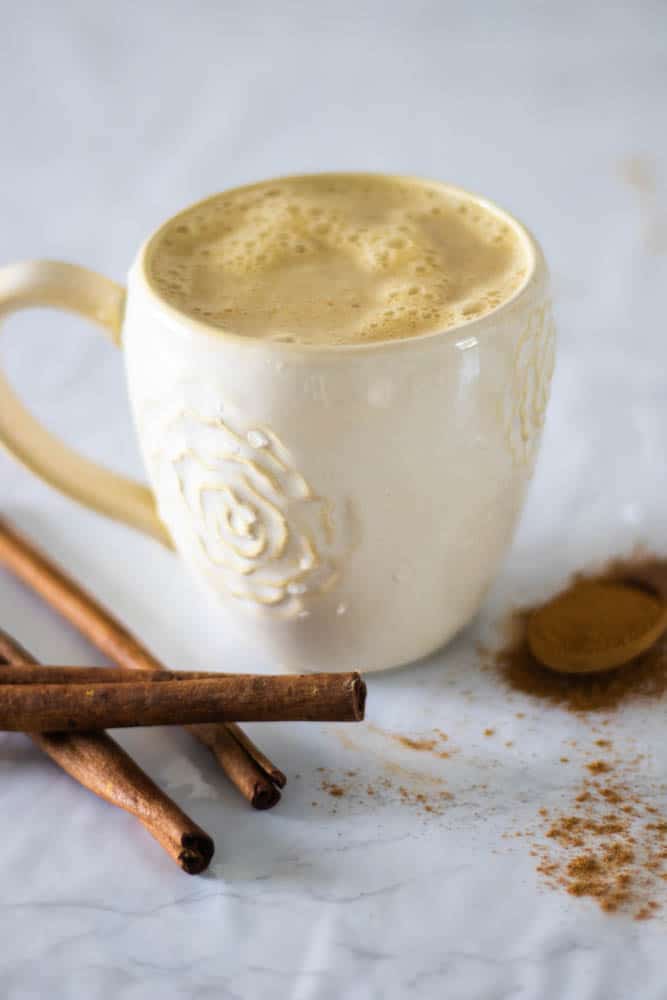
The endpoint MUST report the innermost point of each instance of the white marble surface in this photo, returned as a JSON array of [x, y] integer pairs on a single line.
[[112, 118]]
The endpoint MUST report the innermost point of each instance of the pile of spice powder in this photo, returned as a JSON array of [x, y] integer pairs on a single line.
[[644, 678], [609, 842]]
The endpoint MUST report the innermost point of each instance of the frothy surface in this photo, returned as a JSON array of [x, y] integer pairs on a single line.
[[337, 259]]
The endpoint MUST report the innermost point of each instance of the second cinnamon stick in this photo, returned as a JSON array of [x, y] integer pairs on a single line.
[[98, 763]]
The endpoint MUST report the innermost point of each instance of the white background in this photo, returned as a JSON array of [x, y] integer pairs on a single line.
[[111, 118]]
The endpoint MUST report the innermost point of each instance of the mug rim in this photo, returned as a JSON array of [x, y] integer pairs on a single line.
[[472, 327]]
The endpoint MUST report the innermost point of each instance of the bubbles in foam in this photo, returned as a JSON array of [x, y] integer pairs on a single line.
[[337, 259]]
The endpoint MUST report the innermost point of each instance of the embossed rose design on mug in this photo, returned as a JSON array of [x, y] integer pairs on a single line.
[[253, 523], [342, 467]]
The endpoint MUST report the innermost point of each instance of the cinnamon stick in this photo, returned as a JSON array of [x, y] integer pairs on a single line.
[[171, 701], [98, 763], [90, 675], [253, 774], [260, 788], [262, 761]]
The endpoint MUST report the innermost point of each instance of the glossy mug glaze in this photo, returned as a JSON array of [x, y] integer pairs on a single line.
[[347, 504]]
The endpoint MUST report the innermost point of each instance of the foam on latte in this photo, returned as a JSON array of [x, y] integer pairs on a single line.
[[337, 259]]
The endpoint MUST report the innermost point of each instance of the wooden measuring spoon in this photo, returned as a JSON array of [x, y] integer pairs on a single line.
[[597, 625]]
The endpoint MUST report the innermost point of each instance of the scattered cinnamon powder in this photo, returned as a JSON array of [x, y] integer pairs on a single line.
[[612, 795], [426, 795], [609, 843], [413, 744], [334, 790], [613, 856], [598, 767], [429, 803], [422, 744], [489, 732]]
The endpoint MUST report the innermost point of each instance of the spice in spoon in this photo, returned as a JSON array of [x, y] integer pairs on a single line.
[[596, 625]]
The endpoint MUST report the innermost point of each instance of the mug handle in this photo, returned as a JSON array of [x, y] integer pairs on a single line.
[[75, 289]]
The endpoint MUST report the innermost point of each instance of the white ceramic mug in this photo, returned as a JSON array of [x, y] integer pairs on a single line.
[[348, 504]]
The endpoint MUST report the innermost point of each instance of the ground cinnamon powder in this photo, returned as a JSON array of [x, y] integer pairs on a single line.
[[607, 846], [595, 625], [432, 744], [421, 792], [644, 677], [608, 842]]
